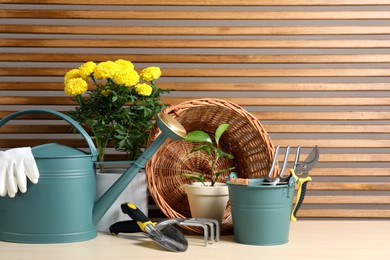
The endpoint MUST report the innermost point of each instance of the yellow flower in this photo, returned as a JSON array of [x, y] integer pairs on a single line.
[[125, 64], [150, 73], [126, 77], [106, 70], [143, 89], [87, 69], [72, 74], [106, 93], [76, 86]]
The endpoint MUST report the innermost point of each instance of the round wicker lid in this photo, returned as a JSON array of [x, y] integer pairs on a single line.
[[245, 138]]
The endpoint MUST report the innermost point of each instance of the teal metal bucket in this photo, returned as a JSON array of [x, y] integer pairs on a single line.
[[261, 213]]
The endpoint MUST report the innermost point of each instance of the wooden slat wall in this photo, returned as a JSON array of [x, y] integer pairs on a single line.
[[312, 71]]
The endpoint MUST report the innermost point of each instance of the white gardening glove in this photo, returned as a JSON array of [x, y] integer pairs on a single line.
[[18, 165]]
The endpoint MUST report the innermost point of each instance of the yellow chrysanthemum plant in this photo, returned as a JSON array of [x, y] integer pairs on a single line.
[[115, 103]]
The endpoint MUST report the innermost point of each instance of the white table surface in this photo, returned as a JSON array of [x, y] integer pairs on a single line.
[[319, 239]]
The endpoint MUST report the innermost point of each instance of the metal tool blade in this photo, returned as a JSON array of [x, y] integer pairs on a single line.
[[309, 162], [284, 162], [297, 154], [270, 176], [167, 237]]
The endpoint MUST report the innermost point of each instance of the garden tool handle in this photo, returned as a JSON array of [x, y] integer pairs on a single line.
[[302, 185], [137, 215], [239, 181], [72, 122], [126, 226]]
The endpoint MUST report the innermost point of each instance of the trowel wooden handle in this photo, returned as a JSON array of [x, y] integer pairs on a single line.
[[239, 181]]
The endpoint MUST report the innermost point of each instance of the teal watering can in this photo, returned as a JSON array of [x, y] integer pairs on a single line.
[[61, 207]]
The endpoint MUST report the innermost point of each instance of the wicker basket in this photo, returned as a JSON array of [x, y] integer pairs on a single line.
[[246, 139]]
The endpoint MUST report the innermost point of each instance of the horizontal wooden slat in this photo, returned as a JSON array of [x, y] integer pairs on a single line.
[[375, 101], [10, 143], [194, 15], [334, 143], [285, 72], [347, 158], [344, 213], [320, 128], [354, 158], [207, 2], [194, 43], [195, 30], [37, 100], [351, 172], [349, 186], [323, 199], [28, 129], [353, 115], [297, 115], [342, 143], [188, 58], [223, 86], [44, 86], [221, 72], [286, 115], [269, 128], [38, 116], [323, 101]]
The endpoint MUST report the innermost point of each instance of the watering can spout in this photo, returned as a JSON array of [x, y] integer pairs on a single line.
[[170, 128]]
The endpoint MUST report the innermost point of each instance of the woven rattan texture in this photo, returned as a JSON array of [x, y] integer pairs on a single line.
[[246, 139]]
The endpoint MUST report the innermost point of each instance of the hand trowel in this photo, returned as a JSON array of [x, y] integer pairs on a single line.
[[166, 236]]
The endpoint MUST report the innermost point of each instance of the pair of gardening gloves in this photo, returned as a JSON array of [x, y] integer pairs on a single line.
[[16, 165]]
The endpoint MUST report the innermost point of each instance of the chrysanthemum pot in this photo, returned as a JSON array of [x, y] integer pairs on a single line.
[[135, 192], [207, 201]]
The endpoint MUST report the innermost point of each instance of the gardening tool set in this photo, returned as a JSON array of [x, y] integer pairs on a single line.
[[299, 172], [165, 234], [262, 207], [67, 185]]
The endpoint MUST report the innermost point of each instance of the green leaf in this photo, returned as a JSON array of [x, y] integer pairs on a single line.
[[204, 147], [226, 155], [198, 136], [194, 177], [220, 130], [222, 171]]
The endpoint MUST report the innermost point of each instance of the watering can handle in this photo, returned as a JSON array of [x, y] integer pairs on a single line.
[[76, 125]]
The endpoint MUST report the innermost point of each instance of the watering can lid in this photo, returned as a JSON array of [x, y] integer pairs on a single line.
[[54, 150]]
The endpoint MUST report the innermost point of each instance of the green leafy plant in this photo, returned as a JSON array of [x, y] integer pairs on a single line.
[[115, 103], [212, 149]]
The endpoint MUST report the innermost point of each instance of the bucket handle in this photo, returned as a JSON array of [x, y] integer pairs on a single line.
[[72, 122]]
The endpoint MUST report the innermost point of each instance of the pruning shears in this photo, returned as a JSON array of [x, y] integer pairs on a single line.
[[300, 172]]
